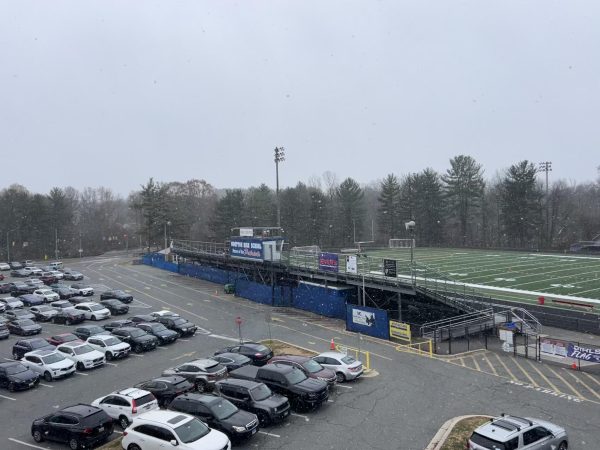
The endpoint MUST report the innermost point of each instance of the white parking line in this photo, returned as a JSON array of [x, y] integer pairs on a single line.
[[137, 356], [227, 338], [299, 415], [159, 347], [342, 386], [46, 385], [84, 374], [330, 401], [8, 398], [26, 443], [182, 340], [8, 359], [269, 434], [112, 364], [117, 431]]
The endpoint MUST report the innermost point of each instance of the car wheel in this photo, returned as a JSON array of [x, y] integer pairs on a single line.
[[138, 348], [263, 418], [11, 387], [37, 436], [109, 356], [47, 376], [340, 377], [123, 422], [94, 318], [134, 447], [563, 446], [80, 366], [73, 443], [200, 385]]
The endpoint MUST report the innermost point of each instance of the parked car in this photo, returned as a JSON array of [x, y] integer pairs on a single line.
[[61, 338], [23, 346], [232, 361], [82, 354], [32, 299], [93, 311], [20, 273], [115, 306], [85, 331], [114, 324], [219, 414], [20, 288], [346, 368], [14, 376], [43, 313], [164, 335], [139, 318], [78, 426], [77, 299], [48, 294], [62, 304], [19, 314], [56, 265], [255, 397], [73, 275], [68, 316], [183, 431], [11, 303], [49, 364], [4, 288], [36, 271], [15, 265], [258, 353], [204, 373], [4, 266], [37, 283], [111, 346], [58, 275], [83, 289], [310, 367], [65, 293], [24, 327], [179, 324], [139, 340], [512, 432], [124, 405], [118, 294], [47, 278], [166, 389], [1, 277], [164, 313], [4, 333]]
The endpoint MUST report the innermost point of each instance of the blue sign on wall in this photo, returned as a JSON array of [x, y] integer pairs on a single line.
[[328, 262], [246, 248], [591, 354], [370, 321]]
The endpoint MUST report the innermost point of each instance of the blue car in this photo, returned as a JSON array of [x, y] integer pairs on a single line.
[[32, 300]]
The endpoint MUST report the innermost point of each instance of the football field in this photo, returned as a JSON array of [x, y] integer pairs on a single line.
[[508, 275]]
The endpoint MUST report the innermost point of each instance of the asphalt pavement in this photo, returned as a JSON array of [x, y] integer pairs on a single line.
[[401, 407]]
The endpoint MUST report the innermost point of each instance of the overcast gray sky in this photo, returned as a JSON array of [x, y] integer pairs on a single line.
[[110, 93]]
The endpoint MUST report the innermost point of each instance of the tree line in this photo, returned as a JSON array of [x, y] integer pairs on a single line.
[[457, 208]]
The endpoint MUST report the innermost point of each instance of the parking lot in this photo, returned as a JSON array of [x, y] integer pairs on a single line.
[[402, 407]]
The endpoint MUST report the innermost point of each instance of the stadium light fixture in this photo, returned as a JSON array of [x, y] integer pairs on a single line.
[[410, 227], [279, 157]]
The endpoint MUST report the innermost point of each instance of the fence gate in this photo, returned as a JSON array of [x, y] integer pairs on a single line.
[[527, 345]]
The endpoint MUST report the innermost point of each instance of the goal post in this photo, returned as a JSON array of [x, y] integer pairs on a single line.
[[305, 250], [402, 243]]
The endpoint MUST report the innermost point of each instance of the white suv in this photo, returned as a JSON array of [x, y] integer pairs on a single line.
[[111, 346], [126, 404], [84, 356], [48, 363], [156, 430], [48, 294], [93, 310]]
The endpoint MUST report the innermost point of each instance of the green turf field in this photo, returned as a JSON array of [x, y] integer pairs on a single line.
[[513, 275]]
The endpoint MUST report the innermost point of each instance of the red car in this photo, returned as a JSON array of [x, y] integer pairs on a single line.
[[1, 277], [48, 279], [58, 339]]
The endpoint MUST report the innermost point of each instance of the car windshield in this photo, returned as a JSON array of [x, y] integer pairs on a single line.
[[192, 431], [260, 392], [312, 366], [158, 327], [67, 338], [348, 360], [112, 341], [223, 409], [44, 308], [96, 307], [53, 358], [83, 349], [295, 376], [179, 321], [39, 344], [17, 368], [26, 322], [137, 333], [261, 349]]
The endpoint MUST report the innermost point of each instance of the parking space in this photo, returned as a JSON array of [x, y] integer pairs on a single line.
[[400, 408]]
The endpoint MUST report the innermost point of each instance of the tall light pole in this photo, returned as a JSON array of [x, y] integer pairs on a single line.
[[279, 157], [410, 227], [8, 244], [546, 166], [167, 224], [55, 243]]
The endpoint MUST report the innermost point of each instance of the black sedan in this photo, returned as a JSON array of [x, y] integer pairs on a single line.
[[114, 324], [24, 327], [258, 353], [16, 377], [17, 289], [139, 318], [218, 413], [65, 292], [179, 324], [15, 265], [138, 339], [68, 316], [19, 314], [115, 306], [43, 313], [4, 288], [78, 426], [164, 335], [232, 360], [167, 388], [85, 331], [118, 294]]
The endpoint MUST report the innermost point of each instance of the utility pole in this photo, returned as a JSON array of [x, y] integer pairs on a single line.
[[546, 166], [279, 157], [8, 244], [56, 243]]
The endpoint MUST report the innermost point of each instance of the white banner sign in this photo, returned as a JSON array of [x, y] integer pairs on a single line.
[[363, 317], [351, 266], [248, 232]]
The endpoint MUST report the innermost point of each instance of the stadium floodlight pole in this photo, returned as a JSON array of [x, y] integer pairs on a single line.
[[546, 166], [279, 157], [167, 224], [8, 244], [410, 227]]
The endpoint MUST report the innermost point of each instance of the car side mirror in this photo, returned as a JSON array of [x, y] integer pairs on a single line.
[[173, 442]]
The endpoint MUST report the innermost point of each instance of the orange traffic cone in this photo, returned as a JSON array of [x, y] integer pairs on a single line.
[[332, 345], [574, 366]]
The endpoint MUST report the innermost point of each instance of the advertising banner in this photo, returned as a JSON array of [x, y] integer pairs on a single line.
[[351, 265], [590, 354], [247, 232], [361, 317], [553, 347], [246, 248], [389, 267], [328, 262], [400, 330]]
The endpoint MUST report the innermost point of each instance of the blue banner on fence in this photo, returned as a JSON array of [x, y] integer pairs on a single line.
[[370, 321], [590, 354], [328, 262], [246, 248]]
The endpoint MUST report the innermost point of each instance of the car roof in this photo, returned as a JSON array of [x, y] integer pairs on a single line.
[[81, 410], [164, 417], [42, 352], [132, 392], [203, 362], [73, 344], [233, 355], [237, 382], [206, 399], [127, 329], [338, 355], [504, 428], [169, 379], [87, 303]]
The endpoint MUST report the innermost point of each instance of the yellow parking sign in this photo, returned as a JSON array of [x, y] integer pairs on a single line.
[[400, 330]]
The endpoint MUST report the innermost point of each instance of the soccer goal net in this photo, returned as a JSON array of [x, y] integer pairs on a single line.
[[306, 250], [402, 243]]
